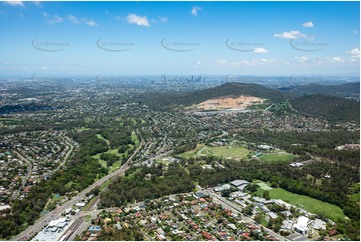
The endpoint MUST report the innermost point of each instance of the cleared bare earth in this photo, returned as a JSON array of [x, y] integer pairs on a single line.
[[223, 103]]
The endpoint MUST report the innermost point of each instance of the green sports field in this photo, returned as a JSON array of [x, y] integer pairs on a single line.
[[274, 157], [307, 203], [235, 152]]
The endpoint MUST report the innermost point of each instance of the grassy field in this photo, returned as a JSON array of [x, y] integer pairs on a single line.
[[307, 203], [81, 129], [69, 184], [264, 186], [355, 197], [103, 163], [99, 136], [236, 152], [135, 139], [263, 221], [274, 157], [116, 165], [191, 153], [356, 193]]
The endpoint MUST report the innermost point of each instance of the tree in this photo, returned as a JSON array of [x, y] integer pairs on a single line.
[[277, 227], [248, 210], [266, 195], [258, 218], [225, 193], [252, 187], [95, 191]]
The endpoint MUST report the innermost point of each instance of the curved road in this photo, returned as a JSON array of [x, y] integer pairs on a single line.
[[25, 178]]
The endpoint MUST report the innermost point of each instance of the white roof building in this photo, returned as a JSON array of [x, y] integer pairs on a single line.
[[81, 204], [67, 211], [222, 188], [237, 194], [302, 225], [54, 223], [237, 183], [296, 164], [3, 207], [272, 215], [287, 224], [319, 224], [232, 226], [226, 186]]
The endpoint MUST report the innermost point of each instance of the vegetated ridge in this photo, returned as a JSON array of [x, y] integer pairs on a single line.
[[342, 90], [234, 90], [328, 107]]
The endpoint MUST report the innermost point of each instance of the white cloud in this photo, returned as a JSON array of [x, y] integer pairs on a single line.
[[355, 54], [138, 20], [264, 60], [91, 23], [337, 59], [252, 62], [53, 19], [308, 25], [15, 3], [195, 10], [246, 63], [302, 59], [56, 19], [221, 62], [73, 19], [260, 50], [160, 20], [198, 63], [294, 34]]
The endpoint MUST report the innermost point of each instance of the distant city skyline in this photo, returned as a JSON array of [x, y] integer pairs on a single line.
[[179, 38]]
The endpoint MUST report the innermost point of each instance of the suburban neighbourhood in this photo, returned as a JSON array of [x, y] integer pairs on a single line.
[[27, 158], [206, 215]]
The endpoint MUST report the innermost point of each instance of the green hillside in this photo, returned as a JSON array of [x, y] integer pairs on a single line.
[[342, 90], [328, 107], [170, 100]]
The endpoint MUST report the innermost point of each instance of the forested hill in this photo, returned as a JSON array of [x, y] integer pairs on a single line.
[[167, 101], [328, 107], [343, 90]]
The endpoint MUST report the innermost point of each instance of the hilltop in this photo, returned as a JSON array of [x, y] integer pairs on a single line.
[[230, 90], [317, 104], [328, 107], [342, 90]]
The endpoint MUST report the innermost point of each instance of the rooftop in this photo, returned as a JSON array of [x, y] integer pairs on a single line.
[[238, 183]]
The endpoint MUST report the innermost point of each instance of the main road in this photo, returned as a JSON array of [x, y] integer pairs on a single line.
[[56, 213]]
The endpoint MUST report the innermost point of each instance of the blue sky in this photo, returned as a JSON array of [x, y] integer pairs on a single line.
[[154, 38]]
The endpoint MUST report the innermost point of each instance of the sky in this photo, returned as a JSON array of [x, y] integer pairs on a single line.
[[179, 38]]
